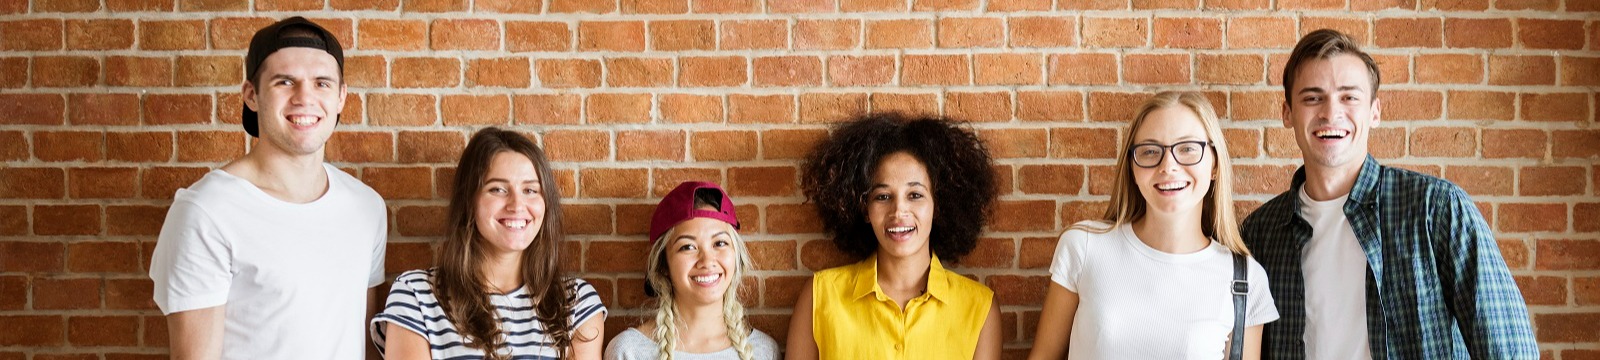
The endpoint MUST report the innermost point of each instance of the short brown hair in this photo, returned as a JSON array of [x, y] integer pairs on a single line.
[[1324, 44]]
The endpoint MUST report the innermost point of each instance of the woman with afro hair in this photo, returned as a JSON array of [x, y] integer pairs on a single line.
[[900, 195]]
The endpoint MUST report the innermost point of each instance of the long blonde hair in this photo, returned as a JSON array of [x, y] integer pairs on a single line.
[[1217, 217], [659, 277]]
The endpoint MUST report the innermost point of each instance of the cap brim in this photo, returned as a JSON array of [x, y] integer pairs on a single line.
[[248, 119]]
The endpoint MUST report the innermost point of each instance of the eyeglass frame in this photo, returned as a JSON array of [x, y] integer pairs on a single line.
[[1167, 149]]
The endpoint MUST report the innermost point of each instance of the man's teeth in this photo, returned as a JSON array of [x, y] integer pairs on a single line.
[[1331, 133], [900, 229], [515, 223], [303, 120], [706, 279]]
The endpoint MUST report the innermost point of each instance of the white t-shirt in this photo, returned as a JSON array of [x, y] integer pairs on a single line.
[[294, 277], [1335, 270], [634, 345], [1136, 302], [413, 307]]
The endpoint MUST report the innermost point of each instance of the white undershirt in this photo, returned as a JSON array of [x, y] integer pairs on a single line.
[[1335, 270]]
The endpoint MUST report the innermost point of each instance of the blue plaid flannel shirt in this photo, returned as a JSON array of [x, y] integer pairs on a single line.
[[1437, 286]]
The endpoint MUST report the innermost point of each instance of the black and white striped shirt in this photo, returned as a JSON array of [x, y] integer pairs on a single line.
[[412, 306]]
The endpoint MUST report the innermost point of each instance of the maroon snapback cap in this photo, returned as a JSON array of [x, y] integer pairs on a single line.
[[678, 206]]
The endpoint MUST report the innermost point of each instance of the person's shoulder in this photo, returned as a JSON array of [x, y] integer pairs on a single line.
[[631, 344], [1278, 209], [214, 186], [841, 271], [763, 344], [1411, 186], [416, 279], [357, 189]]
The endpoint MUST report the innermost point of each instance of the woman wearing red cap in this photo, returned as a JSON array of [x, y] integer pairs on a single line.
[[498, 290], [900, 195], [697, 261]]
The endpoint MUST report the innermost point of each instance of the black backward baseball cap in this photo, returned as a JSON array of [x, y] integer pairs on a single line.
[[270, 39]]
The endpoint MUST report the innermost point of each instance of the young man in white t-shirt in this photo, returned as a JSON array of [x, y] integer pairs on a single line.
[[276, 255], [1367, 261]]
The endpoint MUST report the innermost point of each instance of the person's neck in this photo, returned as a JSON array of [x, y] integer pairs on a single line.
[[902, 276], [1172, 233], [700, 325], [294, 179], [503, 272], [1327, 183]]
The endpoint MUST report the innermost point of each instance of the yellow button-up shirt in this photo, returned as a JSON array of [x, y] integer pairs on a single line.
[[852, 318]]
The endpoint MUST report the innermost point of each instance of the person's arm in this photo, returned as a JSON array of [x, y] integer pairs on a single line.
[[1252, 343], [404, 344], [989, 339], [802, 344], [587, 338], [1055, 324], [1485, 299], [375, 301], [196, 334]]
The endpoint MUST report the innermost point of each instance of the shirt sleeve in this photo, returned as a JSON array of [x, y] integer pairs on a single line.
[[1259, 307], [402, 308], [1067, 263], [192, 265], [586, 304], [375, 276], [1488, 305]]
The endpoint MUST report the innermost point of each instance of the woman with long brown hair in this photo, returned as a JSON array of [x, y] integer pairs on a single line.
[[497, 290]]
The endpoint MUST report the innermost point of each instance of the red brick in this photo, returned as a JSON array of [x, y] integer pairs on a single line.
[[1409, 32], [611, 36], [601, 256], [102, 182], [13, 220], [420, 220], [612, 183], [14, 292], [1455, 4], [589, 219], [1471, 105], [990, 253], [872, 5], [1024, 215], [767, 109], [1477, 33], [235, 33], [1261, 32], [728, 145], [869, 70], [1082, 69], [582, 6], [577, 145], [789, 144], [1482, 180], [1050, 105], [1576, 144], [638, 72], [793, 219], [1008, 69], [65, 71], [1580, 71], [1019, 5], [1567, 327], [361, 146], [464, 34], [691, 108], [99, 34], [822, 254], [540, 36], [104, 257], [1357, 28], [667, 179], [441, 147], [679, 35], [1156, 69], [171, 109], [712, 71], [972, 106], [138, 71], [782, 291], [1230, 69], [1543, 290], [213, 5], [210, 146], [943, 5], [1261, 179], [139, 146], [816, 34], [134, 219], [162, 182], [1550, 34], [32, 256], [13, 72], [32, 109], [1443, 142], [934, 70], [103, 109], [68, 145], [1551, 181], [1521, 70], [400, 182], [763, 181], [1017, 289], [1570, 107], [654, 6], [1586, 217], [1520, 143], [970, 32], [618, 108], [66, 294], [475, 109], [754, 34], [650, 145], [1411, 105], [66, 220], [68, 6], [899, 34], [24, 35], [413, 72], [1115, 32], [546, 109], [787, 71], [1188, 33], [831, 107], [403, 109], [1387, 143], [172, 35], [1043, 31], [1532, 218], [381, 34], [1083, 143], [1567, 255], [915, 103], [1050, 179], [42, 330], [1114, 107], [1450, 69]]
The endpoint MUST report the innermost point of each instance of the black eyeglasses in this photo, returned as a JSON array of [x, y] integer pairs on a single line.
[[1184, 152]]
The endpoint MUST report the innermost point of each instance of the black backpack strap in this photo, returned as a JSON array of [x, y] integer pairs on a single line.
[[1240, 287]]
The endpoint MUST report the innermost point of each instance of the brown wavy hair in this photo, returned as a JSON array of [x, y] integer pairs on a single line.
[[459, 284], [838, 174]]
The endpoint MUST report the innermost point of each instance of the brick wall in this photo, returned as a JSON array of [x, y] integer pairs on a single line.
[[108, 106]]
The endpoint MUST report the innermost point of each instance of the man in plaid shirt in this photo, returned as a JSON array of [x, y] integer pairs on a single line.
[[1367, 261]]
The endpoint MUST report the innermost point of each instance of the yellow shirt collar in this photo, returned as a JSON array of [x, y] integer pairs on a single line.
[[866, 273]]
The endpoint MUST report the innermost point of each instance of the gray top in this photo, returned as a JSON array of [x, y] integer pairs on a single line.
[[634, 345]]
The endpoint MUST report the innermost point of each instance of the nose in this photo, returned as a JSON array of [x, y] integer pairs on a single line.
[[302, 92], [514, 201], [1170, 154]]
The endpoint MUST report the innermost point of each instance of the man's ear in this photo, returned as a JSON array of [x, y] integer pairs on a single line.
[[1377, 111], [248, 92], [1286, 109]]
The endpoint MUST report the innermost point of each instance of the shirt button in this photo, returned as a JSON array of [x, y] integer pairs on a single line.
[[898, 347]]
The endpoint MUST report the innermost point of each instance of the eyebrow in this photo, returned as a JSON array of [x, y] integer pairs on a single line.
[[1341, 88], [491, 180], [287, 77], [691, 237], [913, 183], [1180, 139]]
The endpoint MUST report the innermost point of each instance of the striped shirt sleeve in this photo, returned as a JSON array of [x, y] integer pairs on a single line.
[[586, 304], [402, 308]]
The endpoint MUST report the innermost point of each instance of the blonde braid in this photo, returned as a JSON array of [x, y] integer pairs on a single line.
[[666, 326], [732, 309]]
